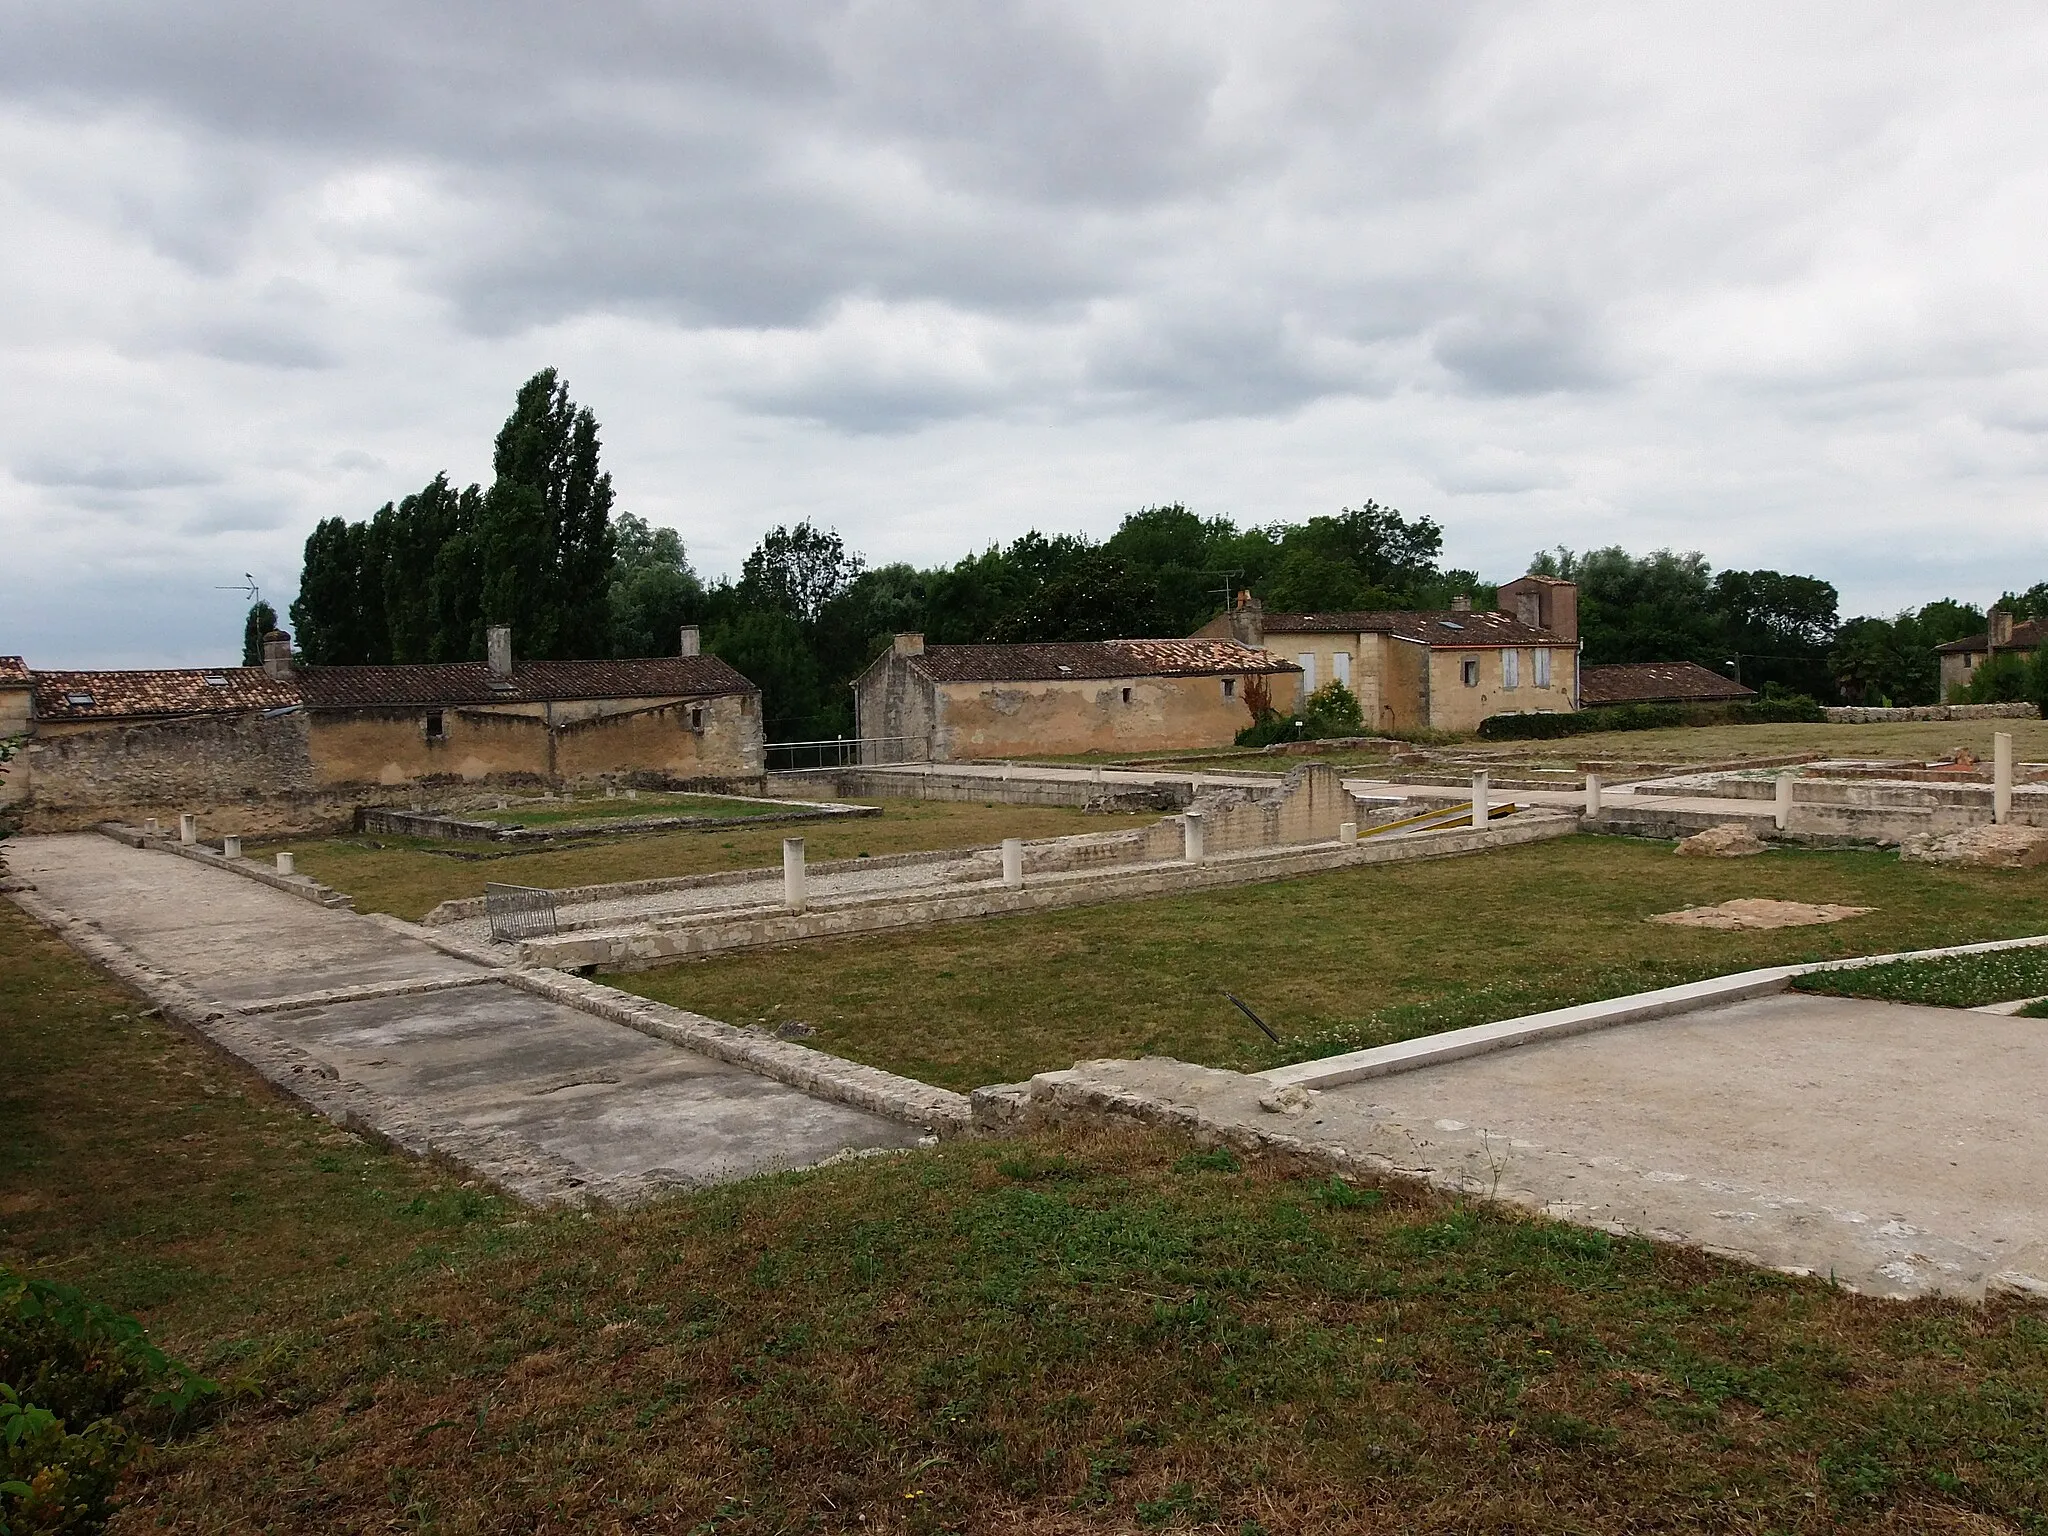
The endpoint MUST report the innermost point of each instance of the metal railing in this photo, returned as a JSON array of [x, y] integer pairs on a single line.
[[842, 752], [520, 912]]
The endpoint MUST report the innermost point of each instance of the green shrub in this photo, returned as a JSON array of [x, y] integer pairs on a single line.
[[1269, 728], [1650, 717], [78, 1381], [1332, 710]]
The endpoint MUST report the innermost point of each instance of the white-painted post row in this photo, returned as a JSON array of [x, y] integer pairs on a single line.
[[1013, 862], [286, 864], [1479, 807], [231, 847], [2001, 777], [1592, 794], [1191, 832], [793, 873], [188, 828], [1781, 812]]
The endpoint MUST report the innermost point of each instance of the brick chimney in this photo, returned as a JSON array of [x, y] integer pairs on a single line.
[[2001, 627], [277, 655], [1462, 603], [498, 649], [1248, 621], [689, 641], [908, 645]]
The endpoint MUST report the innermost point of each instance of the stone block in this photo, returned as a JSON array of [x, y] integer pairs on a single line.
[[1994, 847], [1730, 840]]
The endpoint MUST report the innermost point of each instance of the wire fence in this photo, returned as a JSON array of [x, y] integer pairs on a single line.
[[520, 912]]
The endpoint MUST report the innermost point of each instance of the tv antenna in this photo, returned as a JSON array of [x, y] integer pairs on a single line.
[[1228, 589], [246, 586]]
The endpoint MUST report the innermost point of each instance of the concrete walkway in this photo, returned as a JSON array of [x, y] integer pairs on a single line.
[[430, 1050], [1901, 1150]]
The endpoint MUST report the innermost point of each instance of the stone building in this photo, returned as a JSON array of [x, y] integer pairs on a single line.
[[1436, 671], [1657, 682], [1960, 659], [287, 738], [942, 703]]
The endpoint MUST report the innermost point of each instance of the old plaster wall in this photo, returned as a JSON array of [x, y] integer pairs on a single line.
[[692, 739], [1453, 706], [391, 746], [893, 706], [1093, 715]]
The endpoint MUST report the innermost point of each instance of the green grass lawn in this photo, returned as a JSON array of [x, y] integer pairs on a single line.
[[1106, 1333], [410, 876], [1952, 981], [1331, 961], [554, 813]]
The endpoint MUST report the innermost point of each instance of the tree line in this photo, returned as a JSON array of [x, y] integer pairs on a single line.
[[544, 549]]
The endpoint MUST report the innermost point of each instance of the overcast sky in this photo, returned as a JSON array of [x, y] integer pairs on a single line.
[[1764, 280]]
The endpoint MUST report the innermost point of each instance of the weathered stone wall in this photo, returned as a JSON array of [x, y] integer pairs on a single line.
[[391, 746], [160, 769], [659, 738], [893, 705], [1858, 715], [859, 784], [979, 720], [1308, 807]]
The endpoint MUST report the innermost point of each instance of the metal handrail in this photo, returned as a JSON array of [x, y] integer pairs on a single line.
[[844, 752]]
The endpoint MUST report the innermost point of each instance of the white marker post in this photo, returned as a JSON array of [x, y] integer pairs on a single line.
[[231, 847], [1013, 862], [286, 864], [1781, 813], [1347, 832], [188, 828], [1592, 794], [1191, 833], [2001, 777], [793, 873], [1479, 806]]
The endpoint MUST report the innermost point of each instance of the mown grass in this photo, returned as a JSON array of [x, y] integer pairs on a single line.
[[563, 812], [1103, 1333], [408, 877], [1331, 961], [1952, 981]]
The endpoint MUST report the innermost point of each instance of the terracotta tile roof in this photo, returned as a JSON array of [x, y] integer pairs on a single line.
[[154, 695], [1093, 659], [239, 690], [531, 682], [1656, 682], [2027, 635], [1442, 631], [13, 672]]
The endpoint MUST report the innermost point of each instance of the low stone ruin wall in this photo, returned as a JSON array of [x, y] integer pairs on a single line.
[[864, 784], [1858, 715]]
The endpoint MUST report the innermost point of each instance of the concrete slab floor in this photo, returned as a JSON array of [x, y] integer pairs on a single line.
[[1903, 1149], [510, 1070]]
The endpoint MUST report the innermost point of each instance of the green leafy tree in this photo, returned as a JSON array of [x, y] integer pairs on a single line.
[[797, 571], [654, 593], [1332, 710], [545, 534], [261, 621]]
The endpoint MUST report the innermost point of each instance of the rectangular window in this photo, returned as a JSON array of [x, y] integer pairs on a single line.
[[1543, 666], [1469, 670], [1340, 667], [1307, 662], [1511, 669], [437, 726], [696, 717], [1230, 687], [1127, 695]]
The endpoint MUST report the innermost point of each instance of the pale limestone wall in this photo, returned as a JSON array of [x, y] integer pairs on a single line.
[[1455, 707], [77, 776], [724, 744], [1404, 686], [1957, 670], [1093, 715], [13, 712], [893, 701], [1309, 807]]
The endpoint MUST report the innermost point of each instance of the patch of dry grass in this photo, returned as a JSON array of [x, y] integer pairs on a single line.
[[410, 876], [1102, 1332], [1332, 961]]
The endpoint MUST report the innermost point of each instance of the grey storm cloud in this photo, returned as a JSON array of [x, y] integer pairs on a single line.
[[1764, 278]]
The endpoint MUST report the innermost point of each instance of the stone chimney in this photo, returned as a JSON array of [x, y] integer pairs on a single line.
[[1544, 602], [498, 649], [277, 655], [908, 645], [2001, 627], [1462, 603], [689, 641], [1248, 621]]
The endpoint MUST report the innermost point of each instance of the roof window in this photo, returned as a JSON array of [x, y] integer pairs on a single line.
[[502, 687], [214, 680], [82, 700], [1450, 624]]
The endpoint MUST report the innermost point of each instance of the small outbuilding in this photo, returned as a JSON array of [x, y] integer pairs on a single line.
[[1658, 682], [942, 703], [1961, 659]]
